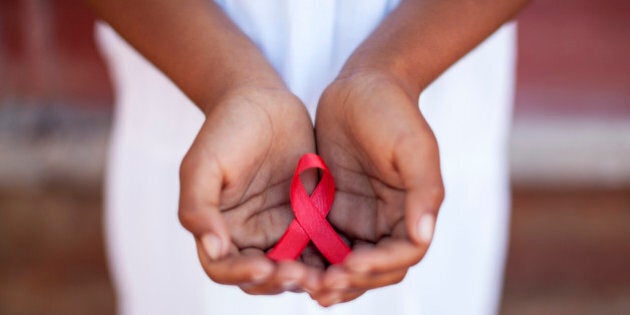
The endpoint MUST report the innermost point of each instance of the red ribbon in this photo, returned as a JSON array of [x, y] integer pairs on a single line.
[[310, 217]]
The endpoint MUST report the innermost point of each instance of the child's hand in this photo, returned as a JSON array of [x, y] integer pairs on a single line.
[[385, 161], [234, 189]]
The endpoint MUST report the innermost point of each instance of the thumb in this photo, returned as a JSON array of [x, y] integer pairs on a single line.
[[419, 165], [421, 208], [201, 180]]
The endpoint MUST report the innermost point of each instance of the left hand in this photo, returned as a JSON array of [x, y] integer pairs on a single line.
[[384, 158]]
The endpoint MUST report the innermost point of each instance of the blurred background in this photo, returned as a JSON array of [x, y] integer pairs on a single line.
[[570, 160]]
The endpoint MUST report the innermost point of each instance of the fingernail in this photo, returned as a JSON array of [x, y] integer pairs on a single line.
[[426, 225], [260, 277], [335, 300], [339, 284], [212, 244], [359, 268], [289, 285]]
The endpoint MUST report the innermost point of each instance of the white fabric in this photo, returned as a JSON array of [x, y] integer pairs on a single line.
[[153, 260]]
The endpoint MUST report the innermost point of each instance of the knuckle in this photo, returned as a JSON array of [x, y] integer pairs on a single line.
[[418, 255], [259, 289], [353, 296], [398, 279], [435, 194], [219, 273], [187, 166], [220, 280], [251, 290], [187, 218]]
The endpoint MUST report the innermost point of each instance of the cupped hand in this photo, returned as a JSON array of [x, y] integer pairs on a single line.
[[384, 158], [234, 194]]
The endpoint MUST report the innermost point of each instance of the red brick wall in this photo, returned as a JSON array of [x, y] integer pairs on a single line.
[[574, 59], [47, 54]]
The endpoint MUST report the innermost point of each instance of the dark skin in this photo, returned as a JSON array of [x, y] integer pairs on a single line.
[[379, 147], [382, 153]]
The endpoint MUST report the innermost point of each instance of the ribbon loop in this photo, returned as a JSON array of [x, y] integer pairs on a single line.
[[310, 222]]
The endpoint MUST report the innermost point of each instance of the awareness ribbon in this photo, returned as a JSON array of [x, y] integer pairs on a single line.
[[310, 222]]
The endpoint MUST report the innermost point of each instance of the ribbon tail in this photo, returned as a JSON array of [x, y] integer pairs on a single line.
[[291, 244]]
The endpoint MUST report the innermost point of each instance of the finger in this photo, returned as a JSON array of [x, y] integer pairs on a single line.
[[313, 280], [421, 208], [351, 295], [200, 188], [288, 276], [358, 281], [418, 161], [335, 279], [369, 282], [285, 278], [343, 280], [388, 255], [331, 298], [238, 268], [312, 257]]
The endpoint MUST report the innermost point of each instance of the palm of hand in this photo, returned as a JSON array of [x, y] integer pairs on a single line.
[[362, 139], [379, 149], [241, 164], [384, 159]]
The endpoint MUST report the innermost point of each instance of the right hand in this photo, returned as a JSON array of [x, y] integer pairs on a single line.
[[235, 182]]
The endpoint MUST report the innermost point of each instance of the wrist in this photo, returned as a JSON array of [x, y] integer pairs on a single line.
[[241, 82], [379, 74], [270, 95], [383, 66]]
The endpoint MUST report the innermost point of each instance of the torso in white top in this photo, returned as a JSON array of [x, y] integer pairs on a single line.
[[153, 259]]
